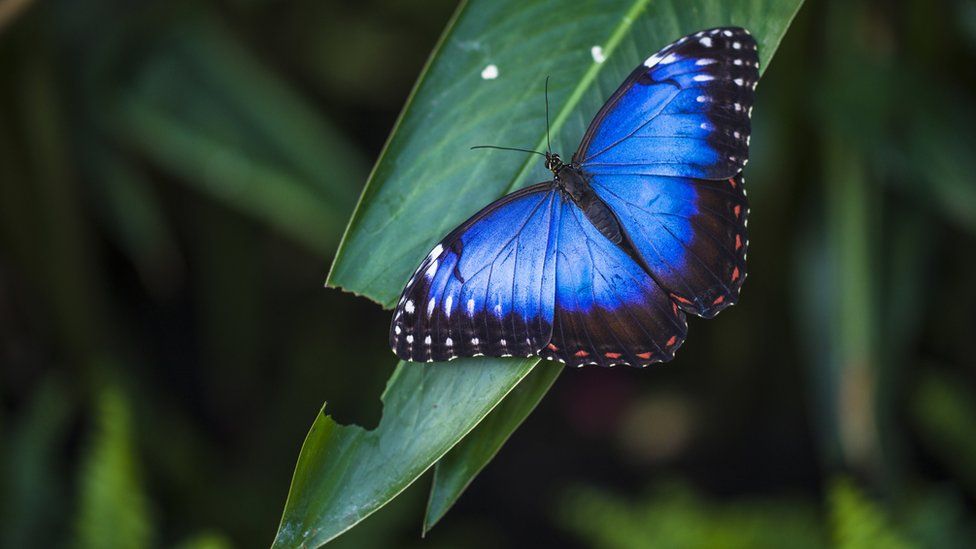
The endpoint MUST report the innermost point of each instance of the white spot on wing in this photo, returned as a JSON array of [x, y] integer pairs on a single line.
[[409, 307], [430, 306], [704, 61], [449, 342], [447, 304], [498, 309], [427, 340], [409, 338], [471, 307], [436, 252], [597, 53], [490, 72], [475, 341], [703, 77], [705, 41], [652, 60], [671, 58]]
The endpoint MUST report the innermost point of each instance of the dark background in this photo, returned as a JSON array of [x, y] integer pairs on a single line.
[[175, 177]]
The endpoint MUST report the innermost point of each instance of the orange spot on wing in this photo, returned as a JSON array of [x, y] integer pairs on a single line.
[[732, 182], [553, 347], [680, 299], [735, 274], [718, 300], [645, 356], [737, 210], [671, 341], [612, 355], [738, 242], [581, 353]]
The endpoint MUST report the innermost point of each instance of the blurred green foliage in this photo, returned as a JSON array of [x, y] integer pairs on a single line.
[[175, 176]]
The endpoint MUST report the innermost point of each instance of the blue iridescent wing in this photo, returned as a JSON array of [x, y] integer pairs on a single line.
[[488, 288], [690, 233], [684, 112], [608, 311], [666, 152]]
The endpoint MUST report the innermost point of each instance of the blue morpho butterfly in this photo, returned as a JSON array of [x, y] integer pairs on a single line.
[[599, 265]]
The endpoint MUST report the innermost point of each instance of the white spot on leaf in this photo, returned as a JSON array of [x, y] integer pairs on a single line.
[[490, 72], [597, 53]]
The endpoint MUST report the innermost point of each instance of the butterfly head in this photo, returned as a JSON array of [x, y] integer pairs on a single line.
[[553, 162]]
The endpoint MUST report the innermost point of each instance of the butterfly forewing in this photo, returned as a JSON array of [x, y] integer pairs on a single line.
[[486, 289], [683, 112]]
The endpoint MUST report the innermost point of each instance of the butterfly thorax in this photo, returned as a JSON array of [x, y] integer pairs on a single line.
[[575, 185]]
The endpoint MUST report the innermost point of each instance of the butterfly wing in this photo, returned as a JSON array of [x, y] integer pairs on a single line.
[[488, 288], [684, 112], [666, 152], [608, 311]]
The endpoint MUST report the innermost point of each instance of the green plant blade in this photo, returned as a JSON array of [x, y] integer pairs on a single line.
[[344, 473], [202, 107], [427, 181], [113, 510], [455, 471]]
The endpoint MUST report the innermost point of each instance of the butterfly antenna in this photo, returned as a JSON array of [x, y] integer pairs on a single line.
[[506, 149], [548, 140]]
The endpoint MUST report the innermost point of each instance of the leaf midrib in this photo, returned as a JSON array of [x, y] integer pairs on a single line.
[[584, 84]]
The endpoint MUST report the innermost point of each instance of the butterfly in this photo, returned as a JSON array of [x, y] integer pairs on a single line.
[[600, 265]]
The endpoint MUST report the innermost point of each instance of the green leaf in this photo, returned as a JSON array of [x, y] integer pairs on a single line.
[[427, 181], [112, 508], [204, 108], [857, 522], [673, 515], [455, 471], [31, 463], [346, 473], [942, 408]]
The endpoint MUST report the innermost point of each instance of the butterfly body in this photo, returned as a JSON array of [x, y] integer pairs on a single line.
[[573, 183], [600, 264]]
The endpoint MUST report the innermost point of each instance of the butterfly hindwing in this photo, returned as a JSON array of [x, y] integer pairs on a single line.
[[691, 233], [487, 288], [684, 112], [608, 311]]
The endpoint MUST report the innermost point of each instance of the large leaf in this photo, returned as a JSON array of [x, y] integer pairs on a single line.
[[456, 470], [427, 180], [346, 473], [202, 107]]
